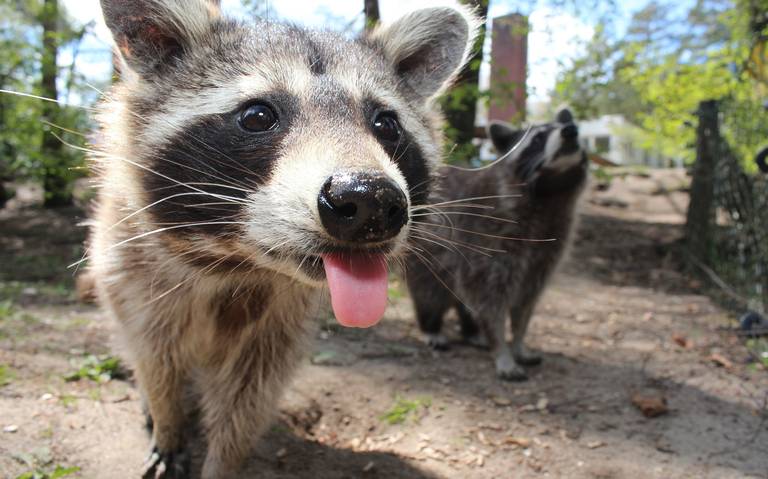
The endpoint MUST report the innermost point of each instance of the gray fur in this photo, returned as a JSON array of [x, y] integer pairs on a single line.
[[457, 261], [221, 309]]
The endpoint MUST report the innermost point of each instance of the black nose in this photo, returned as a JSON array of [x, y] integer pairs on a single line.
[[569, 132], [362, 207]]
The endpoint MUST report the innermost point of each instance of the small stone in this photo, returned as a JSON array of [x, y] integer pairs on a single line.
[[281, 453], [369, 467], [11, 428]]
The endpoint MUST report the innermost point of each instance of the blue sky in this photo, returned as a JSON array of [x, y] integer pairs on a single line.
[[555, 38]]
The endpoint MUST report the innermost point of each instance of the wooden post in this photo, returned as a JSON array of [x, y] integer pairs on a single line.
[[371, 9], [700, 221]]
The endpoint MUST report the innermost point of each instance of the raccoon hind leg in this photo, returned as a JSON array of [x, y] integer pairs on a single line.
[[470, 330], [521, 318]]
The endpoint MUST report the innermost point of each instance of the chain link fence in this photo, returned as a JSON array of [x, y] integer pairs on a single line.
[[732, 247]]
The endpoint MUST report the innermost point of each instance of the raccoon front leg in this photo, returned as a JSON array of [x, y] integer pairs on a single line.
[[493, 324], [239, 399], [161, 384], [521, 318]]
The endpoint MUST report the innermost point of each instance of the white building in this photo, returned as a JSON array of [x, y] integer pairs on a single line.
[[611, 136]]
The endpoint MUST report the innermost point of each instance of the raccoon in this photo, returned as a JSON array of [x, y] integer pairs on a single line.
[[483, 248], [243, 167]]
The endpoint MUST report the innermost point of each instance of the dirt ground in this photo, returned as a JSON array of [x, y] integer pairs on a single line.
[[620, 327]]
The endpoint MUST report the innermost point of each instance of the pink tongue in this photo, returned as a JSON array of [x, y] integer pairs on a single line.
[[358, 286]]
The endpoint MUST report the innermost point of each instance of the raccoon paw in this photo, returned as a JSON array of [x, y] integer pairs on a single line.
[[166, 465], [528, 358], [437, 342], [508, 370]]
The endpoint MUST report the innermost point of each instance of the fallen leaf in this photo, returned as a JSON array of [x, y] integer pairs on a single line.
[[682, 341], [369, 467], [542, 404], [518, 441], [721, 360], [501, 401], [595, 444], [651, 405]]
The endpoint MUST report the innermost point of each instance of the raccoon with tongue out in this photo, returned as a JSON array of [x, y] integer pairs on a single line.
[[243, 167]]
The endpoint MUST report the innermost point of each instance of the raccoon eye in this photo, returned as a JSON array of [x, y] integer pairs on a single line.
[[257, 118], [386, 127]]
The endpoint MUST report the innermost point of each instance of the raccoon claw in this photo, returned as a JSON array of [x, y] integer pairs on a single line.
[[166, 465], [438, 342]]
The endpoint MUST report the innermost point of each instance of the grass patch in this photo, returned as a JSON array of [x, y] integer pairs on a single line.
[[7, 309], [57, 473], [100, 369], [67, 400], [6, 375], [403, 409], [758, 348]]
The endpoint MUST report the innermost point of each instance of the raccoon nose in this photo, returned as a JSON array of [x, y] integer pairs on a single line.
[[569, 132], [362, 207]]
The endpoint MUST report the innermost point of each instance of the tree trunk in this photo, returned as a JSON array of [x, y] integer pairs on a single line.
[[701, 211], [461, 108], [371, 9], [55, 183]]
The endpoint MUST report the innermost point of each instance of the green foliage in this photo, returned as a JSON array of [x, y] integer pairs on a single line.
[[403, 409], [100, 369], [665, 65], [758, 347], [6, 375], [22, 129], [57, 473]]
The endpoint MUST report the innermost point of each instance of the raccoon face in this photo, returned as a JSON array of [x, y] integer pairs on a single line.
[[551, 147], [272, 146]]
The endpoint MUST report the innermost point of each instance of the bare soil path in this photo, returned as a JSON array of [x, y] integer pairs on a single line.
[[619, 328]]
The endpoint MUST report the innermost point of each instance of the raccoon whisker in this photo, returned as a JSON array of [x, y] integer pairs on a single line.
[[484, 250], [168, 228], [476, 198], [200, 183], [140, 210], [498, 160], [199, 141], [440, 280], [465, 213], [419, 234], [512, 238], [197, 274], [232, 271], [145, 168], [413, 250], [474, 247], [38, 97], [448, 247], [59, 127]]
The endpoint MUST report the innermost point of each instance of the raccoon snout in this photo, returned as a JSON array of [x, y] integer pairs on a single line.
[[569, 132], [362, 207]]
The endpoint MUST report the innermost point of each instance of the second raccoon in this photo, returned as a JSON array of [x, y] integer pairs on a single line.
[[491, 268]]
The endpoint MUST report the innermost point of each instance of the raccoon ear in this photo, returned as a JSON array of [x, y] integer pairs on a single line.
[[151, 33], [564, 116], [428, 47], [503, 136]]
